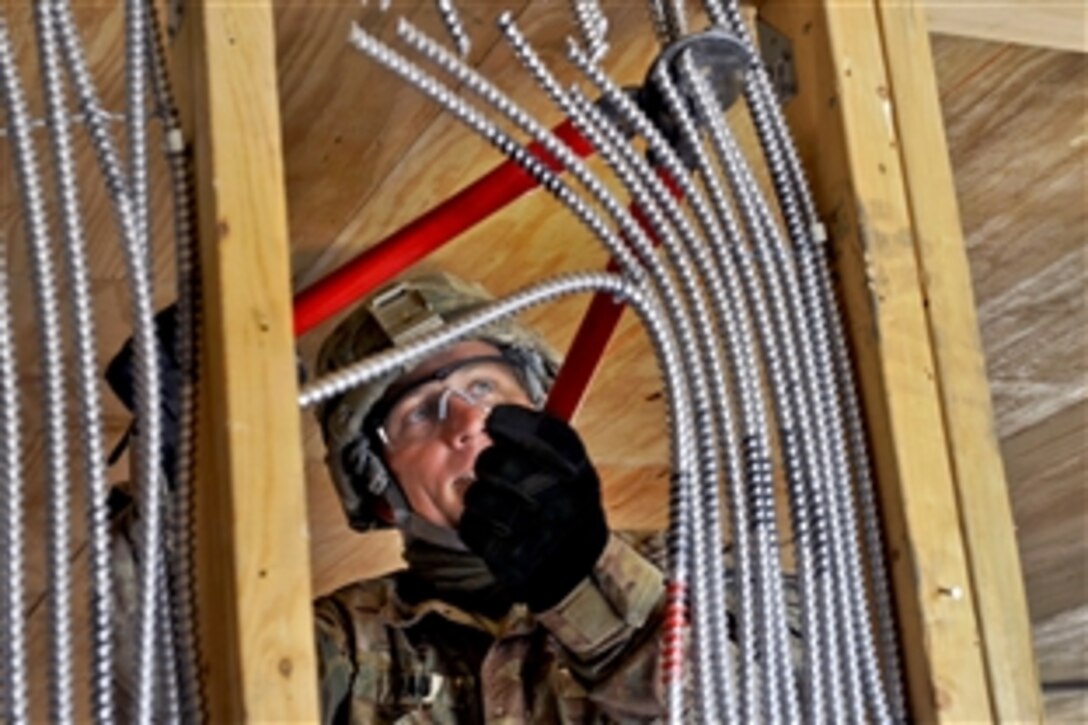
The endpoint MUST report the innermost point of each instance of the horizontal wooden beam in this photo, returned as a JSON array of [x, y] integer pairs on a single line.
[[1060, 25]]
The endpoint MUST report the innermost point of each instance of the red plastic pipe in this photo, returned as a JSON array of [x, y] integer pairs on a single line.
[[413, 242], [585, 353]]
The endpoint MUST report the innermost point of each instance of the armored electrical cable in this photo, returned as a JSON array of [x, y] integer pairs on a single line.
[[659, 22], [761, 228], [83, 328], [664, 152], [592, 26], [92, 112], [471, 117], [711, 641], [148, 385], [794, 411], [180, 531], [727, 15], [451, 18], [14, 707], [669, 20], [725, 319], [826, 328], [632, 231], [136, 109], [166, 681], [808, 235], [877, 571], [51, 349], [778, 680]]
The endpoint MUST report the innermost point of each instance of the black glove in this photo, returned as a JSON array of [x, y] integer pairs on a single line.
[[534, 513]]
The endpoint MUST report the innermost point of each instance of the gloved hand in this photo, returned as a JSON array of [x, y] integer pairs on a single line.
[[534, 513]]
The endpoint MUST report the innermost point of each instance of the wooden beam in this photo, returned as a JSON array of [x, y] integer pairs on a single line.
[[845, 125], [985, 512], [1060, 24], [252, 539]]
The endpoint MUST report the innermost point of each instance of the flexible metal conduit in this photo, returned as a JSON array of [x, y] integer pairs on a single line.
[[663, 153], [656, 202], [745, 597], [823, 321], [837, 400], [592, 26], [149, 448], [180, 530], [658, 205], [51, 352], [13, 675], [87, 380], [60, 51], [780, 358], [780, 699]]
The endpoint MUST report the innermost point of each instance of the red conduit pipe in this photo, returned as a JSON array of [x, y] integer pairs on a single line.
[[585, 353], [413, 242]]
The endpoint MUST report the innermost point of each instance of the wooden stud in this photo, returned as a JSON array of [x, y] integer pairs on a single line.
[[1057, 25], [845, 124], [252, 543], [985, 512]]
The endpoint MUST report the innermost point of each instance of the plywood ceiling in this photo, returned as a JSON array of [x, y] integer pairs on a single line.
[[364, 155]]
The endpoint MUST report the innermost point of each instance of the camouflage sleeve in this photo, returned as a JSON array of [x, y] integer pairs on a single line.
[[335, 660], [124, 573], [608, 627]]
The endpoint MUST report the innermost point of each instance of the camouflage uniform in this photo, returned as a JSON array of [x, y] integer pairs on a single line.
[[592, 658]]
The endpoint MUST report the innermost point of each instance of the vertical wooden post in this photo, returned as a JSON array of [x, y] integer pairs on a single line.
[[252, 543], [979, 475], [869, 128]]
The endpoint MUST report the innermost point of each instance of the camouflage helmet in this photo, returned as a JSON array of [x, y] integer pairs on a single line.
[[390, 317]]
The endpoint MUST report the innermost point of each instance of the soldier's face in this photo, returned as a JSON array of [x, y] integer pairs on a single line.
[[438, 430]]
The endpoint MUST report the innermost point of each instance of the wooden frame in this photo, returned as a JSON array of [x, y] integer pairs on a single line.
[[868, 125]]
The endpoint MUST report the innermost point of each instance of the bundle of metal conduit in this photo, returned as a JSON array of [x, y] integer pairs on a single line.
[[167, 682], [743, 321], [739, 310]]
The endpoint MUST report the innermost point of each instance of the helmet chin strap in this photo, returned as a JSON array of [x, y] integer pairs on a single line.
[[413, 526]]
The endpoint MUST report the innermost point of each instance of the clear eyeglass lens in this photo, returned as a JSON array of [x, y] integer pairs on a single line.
[[420, 414]]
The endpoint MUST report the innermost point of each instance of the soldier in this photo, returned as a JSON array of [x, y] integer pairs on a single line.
[[518, 604]]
